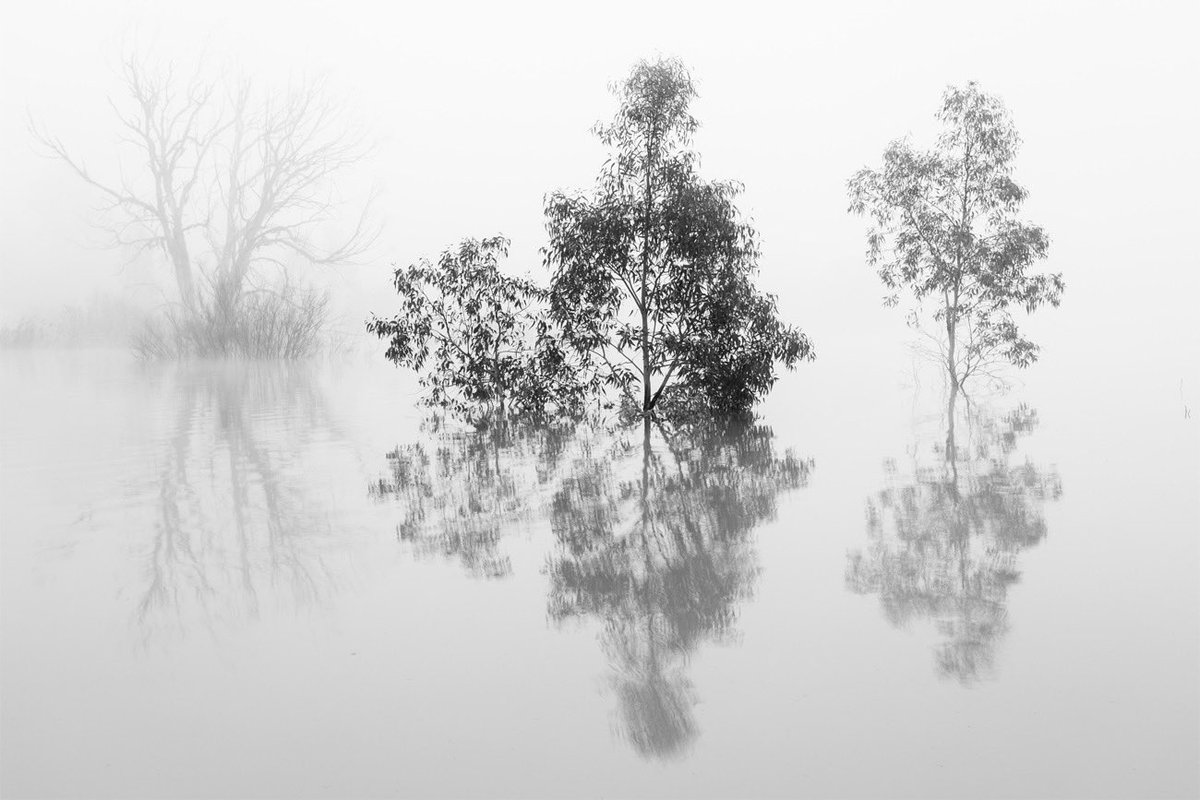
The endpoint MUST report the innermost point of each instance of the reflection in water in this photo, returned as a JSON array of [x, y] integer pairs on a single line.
[[945, 540], [235, 519], [654, 542], [651, 530], [461, 491]]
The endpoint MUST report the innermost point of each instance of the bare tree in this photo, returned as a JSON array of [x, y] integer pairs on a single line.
[[227, 177]]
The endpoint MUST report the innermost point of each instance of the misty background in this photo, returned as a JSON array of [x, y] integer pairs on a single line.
[[477, 111], [257, 577]]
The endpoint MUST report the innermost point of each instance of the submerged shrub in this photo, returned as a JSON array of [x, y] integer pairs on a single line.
[[280, 322]]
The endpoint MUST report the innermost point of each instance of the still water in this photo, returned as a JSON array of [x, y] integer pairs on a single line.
[[266, 580]]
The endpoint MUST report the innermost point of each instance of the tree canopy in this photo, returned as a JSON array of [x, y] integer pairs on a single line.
[[493, 353], [945, 228], [652, 270]]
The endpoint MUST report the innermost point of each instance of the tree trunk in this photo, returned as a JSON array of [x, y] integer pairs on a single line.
[[951, 445], [952, 369], [647, 401], [187, 287], [177, 252]]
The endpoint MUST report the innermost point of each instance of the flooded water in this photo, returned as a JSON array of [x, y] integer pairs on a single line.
[[266, 580]]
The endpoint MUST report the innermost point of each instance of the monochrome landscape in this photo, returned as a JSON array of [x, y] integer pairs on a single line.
[[656, 400]]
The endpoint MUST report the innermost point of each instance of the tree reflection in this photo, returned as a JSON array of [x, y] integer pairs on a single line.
[[653, 541], [945, 541], [236, 524], [651, 529], [460, 491]]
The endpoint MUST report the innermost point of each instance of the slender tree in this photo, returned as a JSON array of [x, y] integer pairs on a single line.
[[652, 272], [945, 228]]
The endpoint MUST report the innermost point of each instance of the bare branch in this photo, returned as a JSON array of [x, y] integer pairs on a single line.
[[272, 163]]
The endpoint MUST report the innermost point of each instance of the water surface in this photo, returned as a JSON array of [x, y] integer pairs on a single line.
[[266, 579]]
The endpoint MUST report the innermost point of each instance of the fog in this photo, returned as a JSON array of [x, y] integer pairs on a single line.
[[273, 577], [478, 111]]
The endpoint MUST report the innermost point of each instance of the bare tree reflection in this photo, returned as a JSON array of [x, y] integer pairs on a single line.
[[236, 522], [654, 542], [945, 540]]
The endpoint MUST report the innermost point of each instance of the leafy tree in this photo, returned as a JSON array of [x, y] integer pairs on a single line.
[[652, 271], [493, 354], [946, 229]]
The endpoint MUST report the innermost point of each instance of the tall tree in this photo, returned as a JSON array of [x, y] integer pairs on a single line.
[[652, 271], [223, 176], [945, 228]]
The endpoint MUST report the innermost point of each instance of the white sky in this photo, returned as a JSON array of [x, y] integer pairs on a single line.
[[479, 110]]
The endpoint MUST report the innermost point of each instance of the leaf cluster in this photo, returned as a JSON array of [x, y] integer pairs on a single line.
[[477, 337]]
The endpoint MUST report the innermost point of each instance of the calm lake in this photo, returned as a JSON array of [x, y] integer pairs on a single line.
[[253, 580]]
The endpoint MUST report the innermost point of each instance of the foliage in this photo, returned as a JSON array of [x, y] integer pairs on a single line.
[[652, 271], [945, 228], [490, 353]]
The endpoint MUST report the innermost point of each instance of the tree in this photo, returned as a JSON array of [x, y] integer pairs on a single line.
[[946, 229], [493, 354], [223, 177], [652, 271]]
